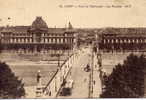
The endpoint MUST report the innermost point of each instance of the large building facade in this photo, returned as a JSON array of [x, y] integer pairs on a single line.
[[37, 37], [123, 39]]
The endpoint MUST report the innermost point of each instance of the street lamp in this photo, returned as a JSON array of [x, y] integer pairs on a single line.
[[58, 55], [38, 77], [39, 89]]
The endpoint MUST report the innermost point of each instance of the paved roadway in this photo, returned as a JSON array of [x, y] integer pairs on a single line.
[[97, 83], [80, 77]]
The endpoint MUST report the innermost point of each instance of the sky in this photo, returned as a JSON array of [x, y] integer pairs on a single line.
[[56, 14]]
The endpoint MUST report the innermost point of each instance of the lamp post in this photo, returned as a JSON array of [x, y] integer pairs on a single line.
[[58, 55], [39, 89], [39, 77]]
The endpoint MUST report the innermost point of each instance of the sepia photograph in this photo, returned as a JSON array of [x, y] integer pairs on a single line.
[[72, 49]]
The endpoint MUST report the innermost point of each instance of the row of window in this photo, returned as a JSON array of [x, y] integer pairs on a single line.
[[29, 40], [11, 35], [124, 40]]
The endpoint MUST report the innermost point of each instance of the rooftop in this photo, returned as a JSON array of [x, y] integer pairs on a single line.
[[39, 23], [127, 31], [16, 29]]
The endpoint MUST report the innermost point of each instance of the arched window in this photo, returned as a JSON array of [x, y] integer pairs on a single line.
[[129, 41], [46, 40], [116, 40], [61, 40]]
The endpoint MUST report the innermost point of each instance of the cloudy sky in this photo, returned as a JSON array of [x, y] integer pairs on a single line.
[[23, 12]]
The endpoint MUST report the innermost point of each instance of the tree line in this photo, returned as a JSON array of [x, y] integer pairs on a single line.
[[126, 80]]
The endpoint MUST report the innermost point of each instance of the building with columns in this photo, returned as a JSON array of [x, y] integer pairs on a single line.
[[122, 39], [37, 37]]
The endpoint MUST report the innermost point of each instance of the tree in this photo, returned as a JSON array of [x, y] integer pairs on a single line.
[[127, 80], [10, 86]]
